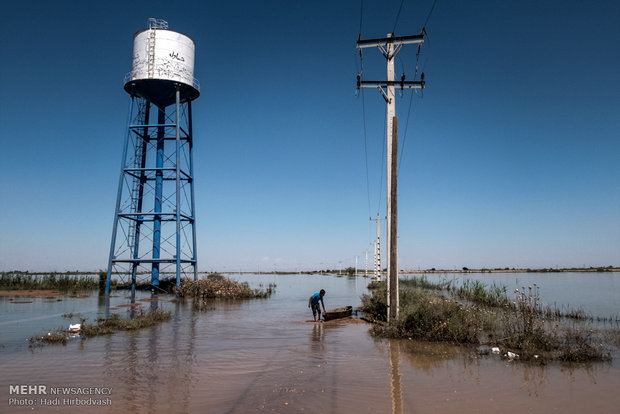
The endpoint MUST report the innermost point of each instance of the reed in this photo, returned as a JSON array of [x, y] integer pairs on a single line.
[[57, 281], [423, 283], [477, 292]]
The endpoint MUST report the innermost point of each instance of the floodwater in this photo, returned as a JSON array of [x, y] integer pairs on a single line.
[[268, 356]]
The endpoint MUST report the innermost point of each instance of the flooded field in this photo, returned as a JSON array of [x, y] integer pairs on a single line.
[[267, 355]]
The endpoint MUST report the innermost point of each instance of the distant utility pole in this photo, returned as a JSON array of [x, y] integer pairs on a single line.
[[378, 251], [390, 46]]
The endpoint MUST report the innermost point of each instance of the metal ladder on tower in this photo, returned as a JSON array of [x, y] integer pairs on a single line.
[[135, 195], [151, 53], [136, 183]]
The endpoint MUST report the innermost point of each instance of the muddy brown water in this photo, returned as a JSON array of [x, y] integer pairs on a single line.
[[268, 356]]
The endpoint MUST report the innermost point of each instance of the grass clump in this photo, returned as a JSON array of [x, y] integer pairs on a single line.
[[114, 323], [374, 305], [477, 292], [579, 346], [56, 337], [216, 286], [105, 326], [422, 316], [375, 284]]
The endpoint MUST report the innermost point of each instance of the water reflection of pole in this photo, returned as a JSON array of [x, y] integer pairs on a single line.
[[131, 372], [317, 337], [154, 301], [103, 302], [395, 384], [152, 367], [185, 365]]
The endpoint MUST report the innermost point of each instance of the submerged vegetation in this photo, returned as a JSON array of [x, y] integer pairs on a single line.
[[474, 314], [58, 281], [216, 286], [105, 326], [114, 323], [57, 337]]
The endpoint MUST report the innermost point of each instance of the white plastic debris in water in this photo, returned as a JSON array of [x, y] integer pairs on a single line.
[[75, 327], [512, 355], [495, 350]]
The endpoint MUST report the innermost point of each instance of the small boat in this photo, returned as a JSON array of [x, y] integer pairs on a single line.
[[337, 313]]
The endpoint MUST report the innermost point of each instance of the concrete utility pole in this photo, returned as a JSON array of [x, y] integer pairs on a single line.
[[390, 47], [392, 280]]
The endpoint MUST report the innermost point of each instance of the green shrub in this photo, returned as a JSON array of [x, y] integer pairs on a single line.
[[422, 316]]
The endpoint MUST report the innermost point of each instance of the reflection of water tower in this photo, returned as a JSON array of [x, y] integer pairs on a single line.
[[154, 221]]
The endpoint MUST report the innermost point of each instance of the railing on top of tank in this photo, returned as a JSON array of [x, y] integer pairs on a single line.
[[129, 76], [157, 23]]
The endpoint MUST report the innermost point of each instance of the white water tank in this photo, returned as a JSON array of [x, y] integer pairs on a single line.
[[163, 60]]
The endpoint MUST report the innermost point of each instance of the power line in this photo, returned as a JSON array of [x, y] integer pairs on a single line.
[[398, 15], [402, 150], [382, 158], [361, 16], [429, 14], [366, 151], [364, 127]]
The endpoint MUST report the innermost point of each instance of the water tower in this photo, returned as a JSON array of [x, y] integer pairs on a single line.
[[154, 232]]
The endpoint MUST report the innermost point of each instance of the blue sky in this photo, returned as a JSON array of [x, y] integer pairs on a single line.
[[511, 157]]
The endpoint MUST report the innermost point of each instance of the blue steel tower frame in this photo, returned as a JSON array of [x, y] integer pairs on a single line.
[[154, 231]]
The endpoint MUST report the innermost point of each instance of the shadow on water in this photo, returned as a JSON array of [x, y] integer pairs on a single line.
[[445, 378], [153, 368], [395, 378]]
